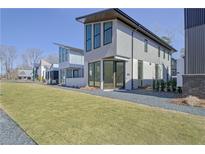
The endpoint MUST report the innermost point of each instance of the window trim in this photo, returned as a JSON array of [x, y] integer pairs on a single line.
[[95, 35], [107, 30], [88, 39], [93, 63]]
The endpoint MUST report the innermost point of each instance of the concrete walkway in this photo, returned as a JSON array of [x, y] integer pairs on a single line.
[[154, 99], [11, 133]]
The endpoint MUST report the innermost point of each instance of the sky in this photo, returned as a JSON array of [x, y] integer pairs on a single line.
[[39, 28]]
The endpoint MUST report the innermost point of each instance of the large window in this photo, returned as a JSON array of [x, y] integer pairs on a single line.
[[60, 55], [94, 74], [107, 33], [76, 74], [145, 45], [69, 73], [97, 40], [88, 37]]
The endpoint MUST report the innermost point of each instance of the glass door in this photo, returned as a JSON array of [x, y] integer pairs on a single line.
[[119, 74], [108, 71]]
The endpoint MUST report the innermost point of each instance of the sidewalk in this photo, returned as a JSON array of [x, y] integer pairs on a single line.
[[11, 133]]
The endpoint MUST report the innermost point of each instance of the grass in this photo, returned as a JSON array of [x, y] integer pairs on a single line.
[[57, 116]]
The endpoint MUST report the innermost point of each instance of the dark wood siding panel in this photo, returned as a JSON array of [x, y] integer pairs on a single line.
[[195, 50], [194, 17]]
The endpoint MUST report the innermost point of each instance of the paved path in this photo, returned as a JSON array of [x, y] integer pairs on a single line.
[[154, 99], [11, 133]]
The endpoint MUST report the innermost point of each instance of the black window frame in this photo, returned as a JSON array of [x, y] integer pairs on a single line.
[[88, 39], [145, 45], [96, 35], [104, 30], [93, 69]]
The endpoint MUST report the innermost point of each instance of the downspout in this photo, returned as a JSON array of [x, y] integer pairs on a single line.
[[132, 59]]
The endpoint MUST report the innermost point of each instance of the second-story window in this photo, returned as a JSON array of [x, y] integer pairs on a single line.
[[97, 35], [145, 45], [158, 51], [88, 37], [60, 55], [107, 33]]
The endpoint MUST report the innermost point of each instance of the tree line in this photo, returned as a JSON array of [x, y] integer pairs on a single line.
[[30, 57]]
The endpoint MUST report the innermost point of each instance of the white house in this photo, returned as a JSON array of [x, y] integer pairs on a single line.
[[180, 69], [25, 74], [43, 66], [122, 53], [71, 66]]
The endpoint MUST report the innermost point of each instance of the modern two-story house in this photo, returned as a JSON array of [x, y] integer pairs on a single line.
[[122, 53], [71, 66], [194, 77]]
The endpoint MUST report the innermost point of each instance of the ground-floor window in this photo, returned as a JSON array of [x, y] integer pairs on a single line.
[[69, 73], [140, 73], [157, 72], [94, 74]]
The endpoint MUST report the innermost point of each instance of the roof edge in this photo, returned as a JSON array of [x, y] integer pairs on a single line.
[[140, 26]]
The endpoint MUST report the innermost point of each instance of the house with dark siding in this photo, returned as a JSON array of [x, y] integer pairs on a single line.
[[194, 78]]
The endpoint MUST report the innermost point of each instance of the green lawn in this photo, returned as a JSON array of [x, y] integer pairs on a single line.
[[57, 116]]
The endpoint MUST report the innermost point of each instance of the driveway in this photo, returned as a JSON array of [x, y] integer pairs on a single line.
[[150, 98], [11, 133]]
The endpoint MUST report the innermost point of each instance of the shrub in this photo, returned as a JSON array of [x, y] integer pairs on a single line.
[[154, 84], [162, 85], [179, 90], [168, 86], [174, 85], [158, 85]]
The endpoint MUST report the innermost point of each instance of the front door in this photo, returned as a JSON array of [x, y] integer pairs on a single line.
[[114, 74]]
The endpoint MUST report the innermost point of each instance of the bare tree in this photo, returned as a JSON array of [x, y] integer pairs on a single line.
[[7, 56], [31, 56], [52, 58]]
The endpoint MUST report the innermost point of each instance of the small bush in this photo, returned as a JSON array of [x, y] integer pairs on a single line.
[[168, 86], [158, 85], [154, 84], [174, 85], [162, 85], [179, 90]]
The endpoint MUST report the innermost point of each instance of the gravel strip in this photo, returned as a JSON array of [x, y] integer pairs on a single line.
[[154, 99], [11, 133]]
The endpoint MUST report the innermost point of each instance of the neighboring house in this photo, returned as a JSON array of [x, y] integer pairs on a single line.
[[173, 68], [25, 74], [121, 53], [52, 74], [43, 66], [71, 66], [194, 78], [180, 69]]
